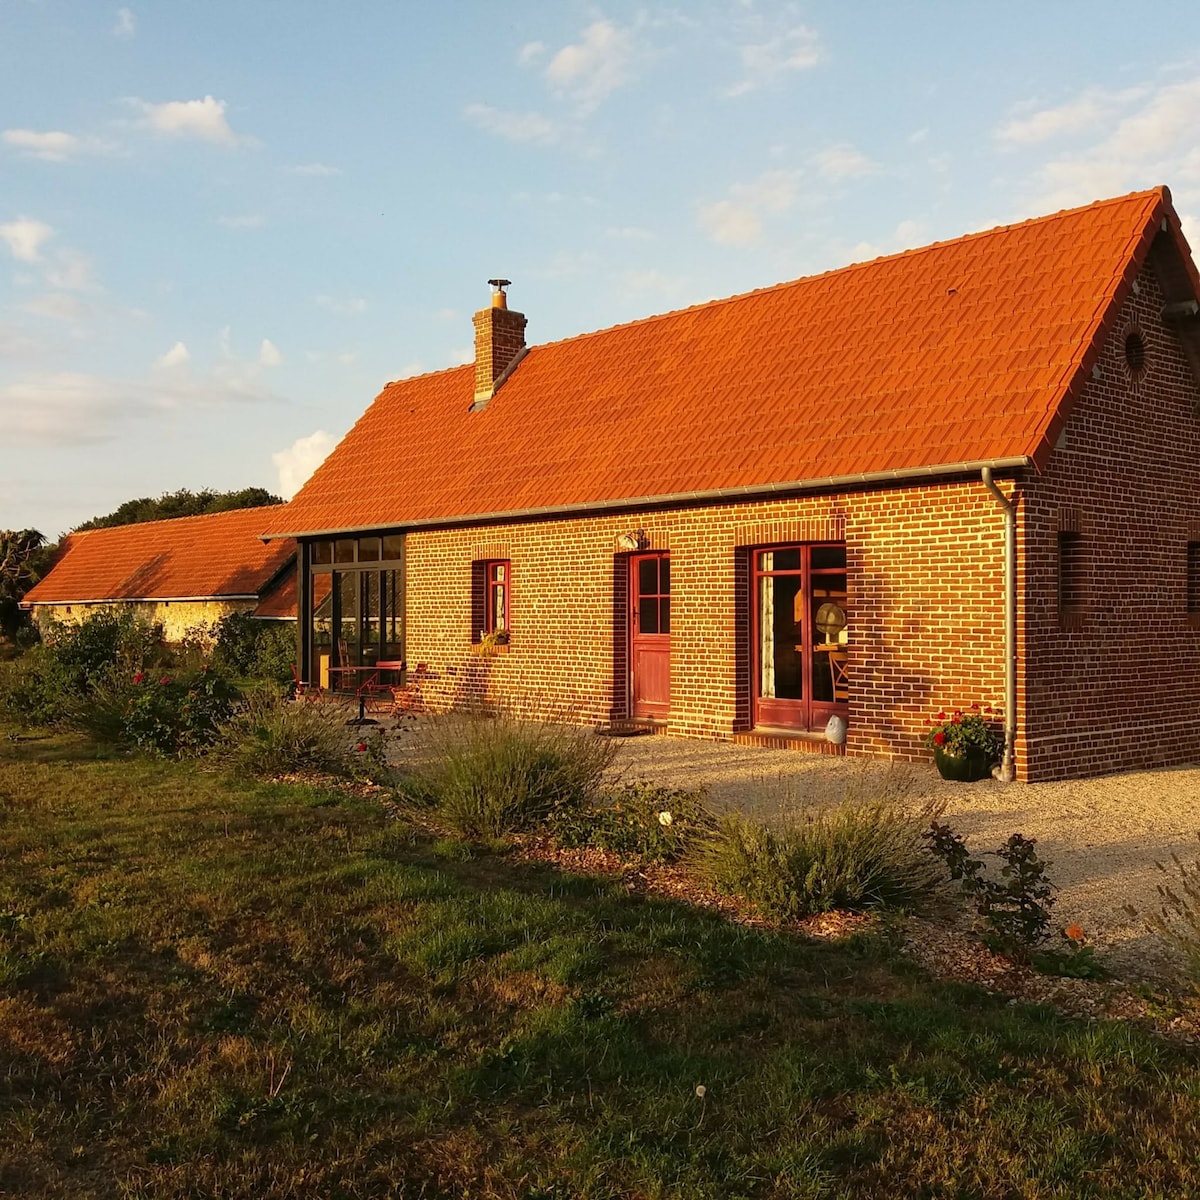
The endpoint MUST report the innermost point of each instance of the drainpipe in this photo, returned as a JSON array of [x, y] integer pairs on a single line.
[[1008, 771]]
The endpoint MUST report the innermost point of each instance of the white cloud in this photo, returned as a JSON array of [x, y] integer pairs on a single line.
[[796, 49], [731, 224], [516, 127], [649, 280], [203, 119], [459, 356], [295, 464], [54, 145], [352, 305], [315, 169], [24, 238], [738, 220], [1089, 109], [177, 356], [843, 161], [629, 233], [64, 408], [245, 221], [530, 53], [126, 24], [71, 272], [1154, 142], [56, 305], [268, 354], [598, 64]]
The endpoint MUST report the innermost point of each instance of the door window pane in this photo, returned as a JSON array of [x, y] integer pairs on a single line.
[[664, 576], [322, 552], [368, 549], [343, 550], [787, 559], [393, 547], [648, 577], [829, 557], [648, 615], [664, 615], [781, 638]]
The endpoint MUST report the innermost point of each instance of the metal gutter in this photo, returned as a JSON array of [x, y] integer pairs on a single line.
[[1008, 770], [148, 599], [756, 491]]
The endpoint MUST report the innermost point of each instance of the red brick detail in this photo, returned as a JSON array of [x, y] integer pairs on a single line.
[[499, 338]]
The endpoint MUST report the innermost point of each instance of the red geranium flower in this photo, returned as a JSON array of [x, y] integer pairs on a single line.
[[361, 746], [939, 738], [941, 716], [164, 680], [140, 677]]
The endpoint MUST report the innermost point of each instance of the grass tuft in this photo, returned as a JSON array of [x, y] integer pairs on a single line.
[[859, 855]]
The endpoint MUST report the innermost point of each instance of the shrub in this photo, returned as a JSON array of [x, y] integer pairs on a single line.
[[657, 823], [268, 735], [860, 855], [50, 678], [1015, 909], [1177, 921], [255, 649], [167, 714], [494, 775]]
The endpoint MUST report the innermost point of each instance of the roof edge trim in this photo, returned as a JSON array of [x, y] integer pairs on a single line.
[[27, 603], [750, 492]]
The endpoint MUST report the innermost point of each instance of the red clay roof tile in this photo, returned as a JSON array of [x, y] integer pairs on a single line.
[[220, 554], [957, 352]]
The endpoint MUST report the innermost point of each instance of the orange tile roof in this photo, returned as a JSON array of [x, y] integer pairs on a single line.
[[188, 558], [961, 352]]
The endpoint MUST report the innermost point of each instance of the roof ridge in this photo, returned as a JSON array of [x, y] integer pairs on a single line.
[[173, 520], [1160, 192]]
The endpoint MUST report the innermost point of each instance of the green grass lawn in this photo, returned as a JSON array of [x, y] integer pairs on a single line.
[[220, 989]]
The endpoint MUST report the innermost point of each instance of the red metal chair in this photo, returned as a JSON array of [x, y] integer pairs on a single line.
[[306, 691], [408, 699]]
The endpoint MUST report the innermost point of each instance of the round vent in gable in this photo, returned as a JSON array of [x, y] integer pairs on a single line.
[[1135, 354]]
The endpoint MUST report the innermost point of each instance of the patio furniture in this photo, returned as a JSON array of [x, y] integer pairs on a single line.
[[407, 699], [306, 691]]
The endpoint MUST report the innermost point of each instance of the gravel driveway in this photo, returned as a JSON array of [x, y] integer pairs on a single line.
[[1102, 836]]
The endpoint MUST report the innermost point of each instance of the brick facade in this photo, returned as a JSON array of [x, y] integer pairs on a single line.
[[925, 602], [1116, 683]]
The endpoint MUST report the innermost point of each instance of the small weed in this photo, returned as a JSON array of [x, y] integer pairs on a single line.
[[1014, 909], [1177, 922], [653, 822], [452, 850]]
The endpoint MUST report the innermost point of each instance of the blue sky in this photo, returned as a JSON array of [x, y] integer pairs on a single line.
[[224, 226]]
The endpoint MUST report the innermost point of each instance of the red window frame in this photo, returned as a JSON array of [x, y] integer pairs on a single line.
[[497, 594]]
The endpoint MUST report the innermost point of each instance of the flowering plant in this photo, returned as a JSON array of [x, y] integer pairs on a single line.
[[968, 729]]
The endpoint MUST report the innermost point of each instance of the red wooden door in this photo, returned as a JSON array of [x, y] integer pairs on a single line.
[[650, 634]]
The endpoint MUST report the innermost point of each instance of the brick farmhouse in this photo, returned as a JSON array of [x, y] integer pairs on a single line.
[[965, 473], [182, 574]]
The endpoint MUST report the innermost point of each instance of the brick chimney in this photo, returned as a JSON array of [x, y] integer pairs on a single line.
[[499, 343]]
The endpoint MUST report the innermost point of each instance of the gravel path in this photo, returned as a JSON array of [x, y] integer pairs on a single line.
[[1102, 836]]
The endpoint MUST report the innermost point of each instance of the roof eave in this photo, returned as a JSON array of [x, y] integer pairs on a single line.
[[666, 500]]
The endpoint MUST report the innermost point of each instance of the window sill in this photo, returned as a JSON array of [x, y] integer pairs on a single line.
[[489, 651]]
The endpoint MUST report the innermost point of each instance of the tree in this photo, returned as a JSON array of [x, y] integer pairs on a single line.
[[22, 563], [183, 503]]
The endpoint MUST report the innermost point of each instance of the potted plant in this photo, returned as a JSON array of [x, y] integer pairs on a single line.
[[965, 743], [491, 642]]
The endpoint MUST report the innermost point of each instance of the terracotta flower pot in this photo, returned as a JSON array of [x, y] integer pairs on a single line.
[[970, 766]]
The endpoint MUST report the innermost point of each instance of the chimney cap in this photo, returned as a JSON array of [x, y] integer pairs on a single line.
[[501, 284]]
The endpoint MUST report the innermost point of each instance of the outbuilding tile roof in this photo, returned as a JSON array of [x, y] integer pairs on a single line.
[[218, 555], [961, 352]]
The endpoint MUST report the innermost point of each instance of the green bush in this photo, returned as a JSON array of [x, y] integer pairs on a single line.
[[1014, 909], [268, 735], [859, 855], [255, 649], [46, 683], [161, 714], [654, 822], [494, 775]]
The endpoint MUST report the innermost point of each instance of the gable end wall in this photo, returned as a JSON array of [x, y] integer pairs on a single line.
[[1118, 685]]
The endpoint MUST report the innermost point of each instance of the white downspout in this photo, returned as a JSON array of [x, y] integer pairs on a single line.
[[1008, 770]]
